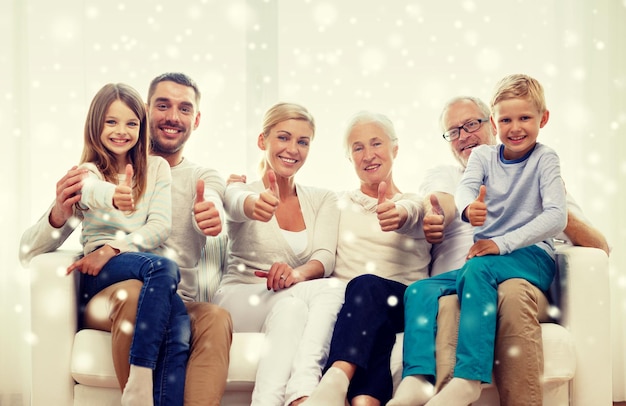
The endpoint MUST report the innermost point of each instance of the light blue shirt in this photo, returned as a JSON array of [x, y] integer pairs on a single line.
[[525, 197]]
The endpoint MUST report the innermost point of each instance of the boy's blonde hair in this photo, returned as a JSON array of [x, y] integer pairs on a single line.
[[520, 86]]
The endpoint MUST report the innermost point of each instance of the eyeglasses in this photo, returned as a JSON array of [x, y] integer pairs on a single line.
[[469, 127]]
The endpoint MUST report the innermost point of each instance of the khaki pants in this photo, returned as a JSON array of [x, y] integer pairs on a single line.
[[518, 367], [114, 309]]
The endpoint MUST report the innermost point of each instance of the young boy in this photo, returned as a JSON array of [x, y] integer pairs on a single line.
[[520, 206]]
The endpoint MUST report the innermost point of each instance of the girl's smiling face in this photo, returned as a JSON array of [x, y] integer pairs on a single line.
[[517, 122], [120, 131]]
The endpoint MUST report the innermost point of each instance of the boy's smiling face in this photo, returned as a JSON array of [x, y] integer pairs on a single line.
[[517, 122]]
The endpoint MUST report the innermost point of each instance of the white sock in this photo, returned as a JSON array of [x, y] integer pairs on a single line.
[[138, 389], [331, 391], [458, 392], [414, 390]]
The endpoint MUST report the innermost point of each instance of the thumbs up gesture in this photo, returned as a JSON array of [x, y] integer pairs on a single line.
[[434, 221], [123, 196], [205, 213], [390, 216], [476, 212], [266, 204]]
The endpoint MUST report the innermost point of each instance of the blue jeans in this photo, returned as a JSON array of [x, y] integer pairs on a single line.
[[162, 329], [365, 333], [476, 284]]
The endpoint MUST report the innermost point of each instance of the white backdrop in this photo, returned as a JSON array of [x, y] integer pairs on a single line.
[[402, 58]]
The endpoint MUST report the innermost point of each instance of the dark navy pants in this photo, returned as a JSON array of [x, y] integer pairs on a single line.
[[365, 333]]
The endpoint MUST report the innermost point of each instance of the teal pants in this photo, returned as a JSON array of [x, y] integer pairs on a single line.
[[476, 284]]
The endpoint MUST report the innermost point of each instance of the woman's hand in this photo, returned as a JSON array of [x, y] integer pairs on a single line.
[[280, 276], [263, 207], [92, 263], [390, 216]]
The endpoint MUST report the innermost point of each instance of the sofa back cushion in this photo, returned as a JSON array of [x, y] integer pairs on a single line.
[[211, 266]]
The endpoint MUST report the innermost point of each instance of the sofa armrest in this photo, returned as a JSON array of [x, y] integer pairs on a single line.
[[585, 303], [54, 313]]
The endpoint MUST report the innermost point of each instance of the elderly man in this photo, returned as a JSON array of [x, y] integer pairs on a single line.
[[521, 306]]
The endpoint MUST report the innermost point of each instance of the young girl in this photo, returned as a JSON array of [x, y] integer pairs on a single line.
[[126, 207]]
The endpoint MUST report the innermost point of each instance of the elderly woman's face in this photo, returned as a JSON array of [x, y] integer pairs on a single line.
[[371, 152]]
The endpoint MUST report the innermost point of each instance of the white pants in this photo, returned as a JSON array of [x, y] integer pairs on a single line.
[[298, 324]]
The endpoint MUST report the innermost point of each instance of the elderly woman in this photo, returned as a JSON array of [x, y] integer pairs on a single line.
[[381, 249], [282, 242]]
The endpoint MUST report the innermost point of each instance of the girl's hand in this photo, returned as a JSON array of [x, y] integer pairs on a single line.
[[92, 263], [280, 276], [123, 195]]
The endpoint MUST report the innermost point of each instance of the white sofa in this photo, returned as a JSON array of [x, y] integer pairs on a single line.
[[76, 368]]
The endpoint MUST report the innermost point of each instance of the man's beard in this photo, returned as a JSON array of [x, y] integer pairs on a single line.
[[157, 147]]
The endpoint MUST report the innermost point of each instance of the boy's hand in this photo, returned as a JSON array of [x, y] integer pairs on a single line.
[[123, 196], [482, 248], [92, 263], [205, 213], [476, 212], [434, 222], [390, 216]]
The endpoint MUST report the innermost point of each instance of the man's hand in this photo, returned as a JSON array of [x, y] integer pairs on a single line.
[[123, 196], [264, 207], [206, 214], [390, 216], [482, 248], [476, 212], [68, 194], [233, 178], [434, 222], [92, 263]]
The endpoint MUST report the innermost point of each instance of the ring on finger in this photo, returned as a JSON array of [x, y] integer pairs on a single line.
[[282, 277]]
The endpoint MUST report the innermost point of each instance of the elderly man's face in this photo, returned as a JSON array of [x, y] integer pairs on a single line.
[[457, 115]]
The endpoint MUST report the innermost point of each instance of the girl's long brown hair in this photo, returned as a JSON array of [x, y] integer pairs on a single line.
[[96, 153]]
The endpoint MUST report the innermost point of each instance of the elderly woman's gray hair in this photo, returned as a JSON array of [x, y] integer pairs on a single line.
[[368, 117]]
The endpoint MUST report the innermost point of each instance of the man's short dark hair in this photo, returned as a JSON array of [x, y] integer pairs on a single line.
[[175, 77]]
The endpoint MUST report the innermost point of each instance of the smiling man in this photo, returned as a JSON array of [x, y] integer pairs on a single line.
[[465, 123]]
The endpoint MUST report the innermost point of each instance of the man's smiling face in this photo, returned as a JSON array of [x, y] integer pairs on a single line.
[[456, 115]]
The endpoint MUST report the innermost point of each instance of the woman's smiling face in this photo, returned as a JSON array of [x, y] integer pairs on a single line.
[[287, 146]]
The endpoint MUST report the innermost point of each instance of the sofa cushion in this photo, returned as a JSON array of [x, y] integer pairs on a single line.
[[92, 363]]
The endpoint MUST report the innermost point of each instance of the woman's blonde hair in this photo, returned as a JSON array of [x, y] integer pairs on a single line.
[[520, 86], [93, 149], [282, 112]]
